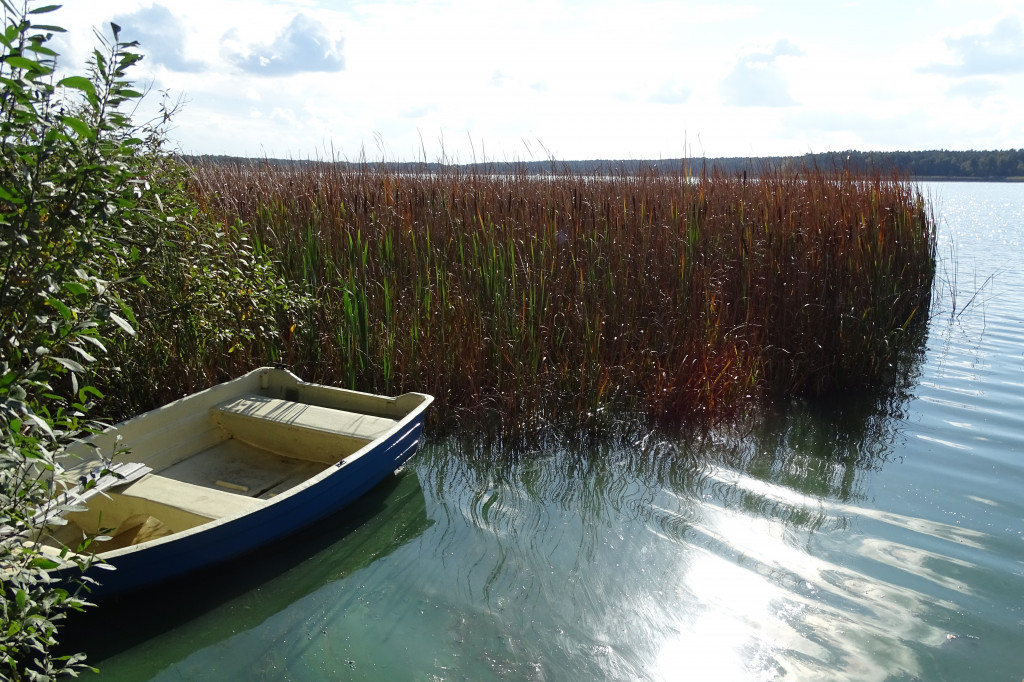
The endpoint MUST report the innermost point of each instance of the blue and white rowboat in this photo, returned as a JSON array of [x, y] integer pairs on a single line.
[[232, 469]]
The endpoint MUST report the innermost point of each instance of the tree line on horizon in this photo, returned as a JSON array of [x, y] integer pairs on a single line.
[[1004, 165]]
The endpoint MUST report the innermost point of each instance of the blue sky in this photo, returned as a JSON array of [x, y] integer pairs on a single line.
[[573, 79]]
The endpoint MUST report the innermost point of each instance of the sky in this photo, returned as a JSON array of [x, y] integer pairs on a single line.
[[524, 80]]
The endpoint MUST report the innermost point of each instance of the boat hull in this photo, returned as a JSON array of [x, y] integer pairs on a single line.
[[220, 541]]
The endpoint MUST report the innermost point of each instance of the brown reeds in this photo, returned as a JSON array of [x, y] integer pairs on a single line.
[[539, 300]]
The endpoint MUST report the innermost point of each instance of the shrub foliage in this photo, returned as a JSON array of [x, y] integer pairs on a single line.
[[95, 226], [73, 216]]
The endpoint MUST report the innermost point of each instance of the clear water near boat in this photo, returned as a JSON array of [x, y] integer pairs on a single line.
[[882, 541]]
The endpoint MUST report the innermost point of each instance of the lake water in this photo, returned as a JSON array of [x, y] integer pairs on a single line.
[[877, 541]]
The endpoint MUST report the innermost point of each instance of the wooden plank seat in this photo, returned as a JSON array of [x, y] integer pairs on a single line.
[[203, 501], [299, 430]]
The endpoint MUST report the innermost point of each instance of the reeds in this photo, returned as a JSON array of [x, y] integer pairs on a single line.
[[528, 301]]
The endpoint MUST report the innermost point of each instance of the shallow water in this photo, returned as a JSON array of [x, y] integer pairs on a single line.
[[883, 540]]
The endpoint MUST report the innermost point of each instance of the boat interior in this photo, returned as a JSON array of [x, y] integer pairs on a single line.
[[221, 460]]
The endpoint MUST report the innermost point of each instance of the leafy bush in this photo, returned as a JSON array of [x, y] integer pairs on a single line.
[[72, 216], [95, 222], [214, 305]]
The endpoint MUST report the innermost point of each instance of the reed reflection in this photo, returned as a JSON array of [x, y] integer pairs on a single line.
[[730, 555]]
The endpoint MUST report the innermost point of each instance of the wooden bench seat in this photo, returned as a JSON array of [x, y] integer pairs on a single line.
[[208, 503], [299, 430]]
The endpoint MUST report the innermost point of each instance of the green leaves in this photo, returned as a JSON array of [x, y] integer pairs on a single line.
[[62, 308], [80, 127], [76, 225], [26, 64], [79, 83], [122, 323], [76, 289], [70, 364]]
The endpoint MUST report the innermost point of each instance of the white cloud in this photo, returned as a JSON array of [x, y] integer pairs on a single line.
[[415, 112], [161, 35], [975, 89], [757, 81], [671, 92], [999, 51], [304, 46]]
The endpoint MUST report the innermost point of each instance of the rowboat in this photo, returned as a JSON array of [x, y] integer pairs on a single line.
[[227, 471]]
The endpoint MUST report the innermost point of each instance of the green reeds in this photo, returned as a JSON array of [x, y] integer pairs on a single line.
[[575, 299]]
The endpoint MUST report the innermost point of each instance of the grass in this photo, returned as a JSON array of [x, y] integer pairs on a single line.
[[524, 302]]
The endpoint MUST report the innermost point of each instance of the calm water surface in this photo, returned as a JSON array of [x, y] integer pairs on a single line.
[[882, 541]]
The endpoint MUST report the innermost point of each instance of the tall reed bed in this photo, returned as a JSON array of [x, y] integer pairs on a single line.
[[528, 301]]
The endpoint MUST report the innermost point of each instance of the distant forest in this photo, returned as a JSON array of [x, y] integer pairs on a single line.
[[937, 164], [1004, 165]]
